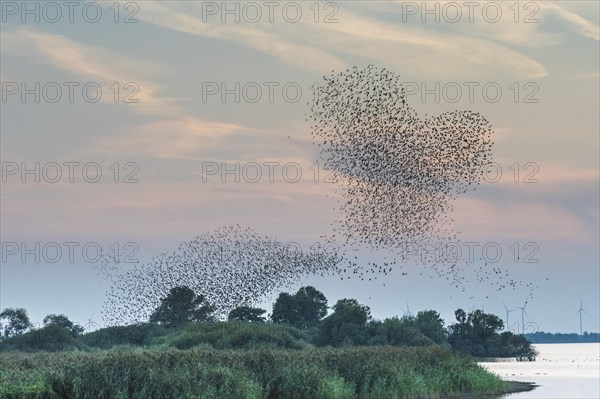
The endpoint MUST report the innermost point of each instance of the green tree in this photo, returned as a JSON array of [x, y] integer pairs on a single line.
[[246, 313], [63, 321], [460, 315], [284, 311], [431, 325], [522, 347], [485, 325], [460, 333], [396, 331], [347, 325], [302, 310], [477, 333], [17, 321], [182, 306]]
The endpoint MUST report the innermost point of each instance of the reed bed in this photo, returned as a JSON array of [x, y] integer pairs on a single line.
[[358, 372]]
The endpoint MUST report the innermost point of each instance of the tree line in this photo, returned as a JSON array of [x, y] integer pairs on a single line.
[[542, 337], [349, 324]]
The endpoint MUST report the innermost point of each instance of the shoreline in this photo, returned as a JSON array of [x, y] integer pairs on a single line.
[[518, 386], [512, 387]]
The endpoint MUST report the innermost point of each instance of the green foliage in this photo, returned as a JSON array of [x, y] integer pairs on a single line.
[[392, 372], [303, 310], [520, 347], [236, 335], [347, 325], [136, 334], [246, 313], [184, 353], [477, 334], [23, 376], [485, 325], [182, 306], [137, 374], [397, 332], [17, 321], [382, 372], [431, 325], [63, 321], [50, 338]]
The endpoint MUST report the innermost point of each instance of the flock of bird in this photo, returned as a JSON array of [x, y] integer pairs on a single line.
[[397, 176], [231, 266], [397, 173]]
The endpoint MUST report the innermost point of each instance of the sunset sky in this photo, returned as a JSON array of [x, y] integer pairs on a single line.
[[545, 119]]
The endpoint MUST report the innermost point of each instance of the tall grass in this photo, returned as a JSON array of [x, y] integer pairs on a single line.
[[367, 372]]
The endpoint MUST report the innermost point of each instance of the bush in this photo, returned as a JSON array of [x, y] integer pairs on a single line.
[[236, 335], [135, 334], [51, 338]]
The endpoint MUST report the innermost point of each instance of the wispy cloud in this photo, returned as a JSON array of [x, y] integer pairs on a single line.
[[183, 138], [313, 47], [578, 23], [528, 31], [461, 54], [90, 62], [176, 134], [185, 17], [585, 76]]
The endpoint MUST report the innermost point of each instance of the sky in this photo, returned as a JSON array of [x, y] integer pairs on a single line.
[[122, 124]]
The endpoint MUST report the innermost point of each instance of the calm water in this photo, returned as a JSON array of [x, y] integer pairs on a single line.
[[561, 371]]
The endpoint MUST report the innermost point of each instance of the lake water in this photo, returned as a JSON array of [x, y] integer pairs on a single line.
[[561, 371]]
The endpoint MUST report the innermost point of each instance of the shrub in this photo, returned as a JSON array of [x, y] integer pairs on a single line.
[[136, 334], [51, 338]]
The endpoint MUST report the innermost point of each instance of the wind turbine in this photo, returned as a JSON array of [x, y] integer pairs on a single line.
[[523, 313], [407, 312], [581, 311], [90, 324], [508, 313]]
